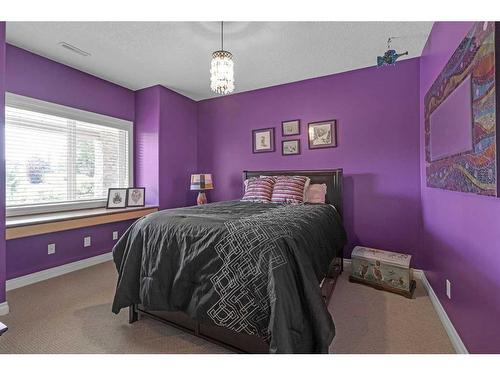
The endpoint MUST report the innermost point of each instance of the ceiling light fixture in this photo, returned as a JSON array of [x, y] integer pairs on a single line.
[[222, 69]]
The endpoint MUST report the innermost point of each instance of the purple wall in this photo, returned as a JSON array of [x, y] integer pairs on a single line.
[[2, 164], [165, 136], [378, 145], [37, 77], [34, 76], [146, 130], [178, 148], [28, 255], [461, 231]]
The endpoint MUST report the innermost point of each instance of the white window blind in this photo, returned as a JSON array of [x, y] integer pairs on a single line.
[[55, 159]]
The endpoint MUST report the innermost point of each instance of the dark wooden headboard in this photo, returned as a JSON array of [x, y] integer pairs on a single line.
[[332, 178]]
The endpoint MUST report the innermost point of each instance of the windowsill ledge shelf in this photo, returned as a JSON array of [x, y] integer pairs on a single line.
[[32, 225]]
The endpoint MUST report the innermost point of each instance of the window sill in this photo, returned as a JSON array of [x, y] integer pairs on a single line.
[[32, 225]]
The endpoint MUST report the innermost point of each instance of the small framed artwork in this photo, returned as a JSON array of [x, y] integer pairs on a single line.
[[291, 127], [322, 134], [136, 197], [263, 140], [117, 198], [290, 147]]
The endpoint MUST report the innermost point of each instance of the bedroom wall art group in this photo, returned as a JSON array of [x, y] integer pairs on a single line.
[[322, 134]]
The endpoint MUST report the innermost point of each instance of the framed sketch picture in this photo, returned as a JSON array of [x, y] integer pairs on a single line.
[[322, 134], [291, 127], [117, 198], [136, 197], [263, 140], [290, 147]]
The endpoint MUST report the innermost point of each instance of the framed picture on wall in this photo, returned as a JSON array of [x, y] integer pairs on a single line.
[[290, 147], [322, 134], [117, 198], [263, 140], [291, 127], [136, 197]]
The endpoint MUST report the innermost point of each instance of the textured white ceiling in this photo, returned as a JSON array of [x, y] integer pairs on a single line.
[[177, 54]]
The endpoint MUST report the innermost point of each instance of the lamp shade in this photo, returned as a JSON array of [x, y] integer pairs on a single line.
[[201, 182]]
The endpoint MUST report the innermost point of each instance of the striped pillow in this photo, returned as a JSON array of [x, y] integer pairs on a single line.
[[289, 189], [258, 189]]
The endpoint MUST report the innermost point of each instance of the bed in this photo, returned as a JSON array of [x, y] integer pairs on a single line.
[[253, 277]]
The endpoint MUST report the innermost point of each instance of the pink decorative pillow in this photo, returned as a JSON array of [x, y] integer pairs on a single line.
[[316, 193], [258, 189], [289, 189]]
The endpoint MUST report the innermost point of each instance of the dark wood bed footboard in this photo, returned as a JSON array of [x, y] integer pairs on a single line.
[[328, 284], [231, 340], [234, 341], [133, 314]]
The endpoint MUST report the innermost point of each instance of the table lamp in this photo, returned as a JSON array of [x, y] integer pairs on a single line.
[[201, 182]]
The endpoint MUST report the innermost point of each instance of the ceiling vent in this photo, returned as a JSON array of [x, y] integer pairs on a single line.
[[74, 49]]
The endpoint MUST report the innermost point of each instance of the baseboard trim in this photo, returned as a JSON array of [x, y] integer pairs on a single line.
[[452, 333], [455, 339], [4, 308], [36, 277]]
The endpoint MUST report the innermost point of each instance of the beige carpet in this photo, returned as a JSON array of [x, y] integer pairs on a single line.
[[72, 314], [373, 321]]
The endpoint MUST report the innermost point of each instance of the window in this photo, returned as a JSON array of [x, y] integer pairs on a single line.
[[60, 158]]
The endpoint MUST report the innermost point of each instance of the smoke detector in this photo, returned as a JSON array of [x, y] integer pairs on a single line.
[[74, 49]]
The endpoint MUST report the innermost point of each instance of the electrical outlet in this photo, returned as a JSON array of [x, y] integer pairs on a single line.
[[86, 241], [115, 235], [51, 248], [448, 288]]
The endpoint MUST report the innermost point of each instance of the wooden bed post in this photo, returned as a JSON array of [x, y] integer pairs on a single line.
[[133, 315]]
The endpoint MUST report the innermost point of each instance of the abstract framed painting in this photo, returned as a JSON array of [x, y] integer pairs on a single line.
[[460, 117]]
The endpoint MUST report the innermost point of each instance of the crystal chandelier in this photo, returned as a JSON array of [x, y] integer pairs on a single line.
[[221, 70]]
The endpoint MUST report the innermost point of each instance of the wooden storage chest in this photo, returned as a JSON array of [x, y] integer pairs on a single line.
[[383, 270]]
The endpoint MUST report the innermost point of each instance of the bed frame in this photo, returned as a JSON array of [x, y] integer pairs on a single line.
[[241, 342]]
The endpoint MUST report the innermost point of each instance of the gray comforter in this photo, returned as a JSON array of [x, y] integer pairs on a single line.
[[250, 267]]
